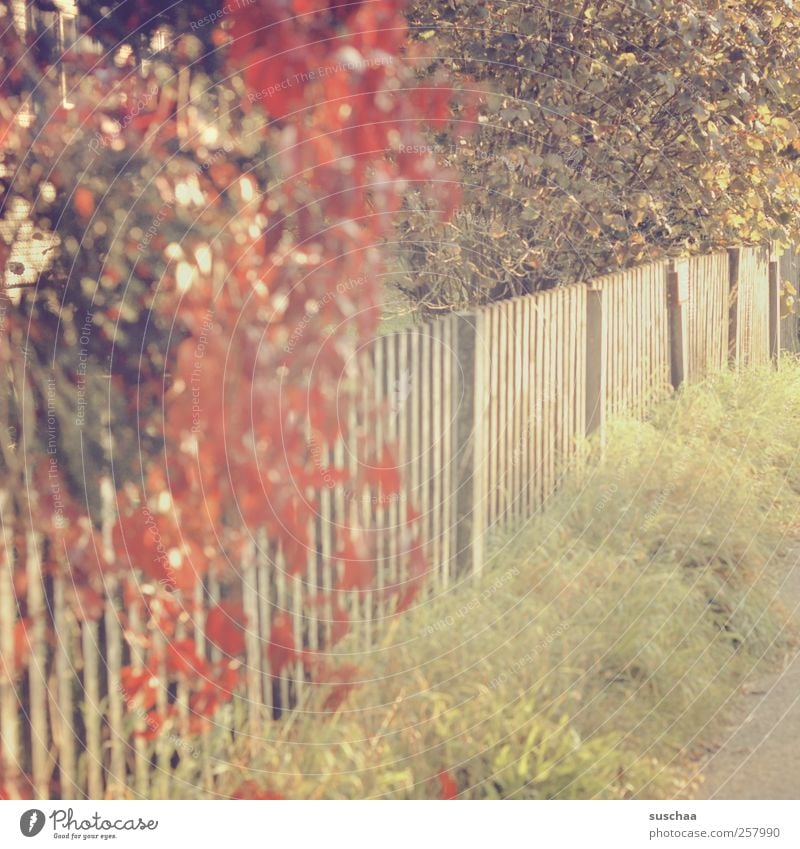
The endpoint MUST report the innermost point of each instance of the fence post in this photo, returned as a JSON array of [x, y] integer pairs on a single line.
[[677, 297], [774, 306], [470, 394], [734, 262], [595, 363]]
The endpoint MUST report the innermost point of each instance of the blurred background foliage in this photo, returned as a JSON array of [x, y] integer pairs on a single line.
[[610, 134]]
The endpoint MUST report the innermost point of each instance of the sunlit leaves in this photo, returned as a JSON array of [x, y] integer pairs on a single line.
[[611, 102]]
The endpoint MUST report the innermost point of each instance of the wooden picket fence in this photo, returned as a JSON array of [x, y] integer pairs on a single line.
[[487, 410]]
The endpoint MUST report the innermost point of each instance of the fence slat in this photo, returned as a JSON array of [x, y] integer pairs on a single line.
[[505, 424], [65, 680], [10, 751], [141, 767], [580, 353], [494, 394], [447, 439], [284, 609], [480, 464], [540, 372], [436, 452], [251, 636], [37, 669], [265, 570], [90, 649], [551, 390], [525, 403], [117, 781], [405, 457]]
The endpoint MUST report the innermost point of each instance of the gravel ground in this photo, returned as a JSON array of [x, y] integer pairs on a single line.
[[760, 754]]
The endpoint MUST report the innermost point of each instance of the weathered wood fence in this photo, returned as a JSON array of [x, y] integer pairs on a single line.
[[487, 410]]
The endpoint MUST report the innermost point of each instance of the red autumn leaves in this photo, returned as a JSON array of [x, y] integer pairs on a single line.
[[448, 787], [269, 288], [209, 685], [225, 627], [13, 666]]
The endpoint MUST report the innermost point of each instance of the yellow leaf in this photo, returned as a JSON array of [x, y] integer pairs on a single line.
[[754, 143]]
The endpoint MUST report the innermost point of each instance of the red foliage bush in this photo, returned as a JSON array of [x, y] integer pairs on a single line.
[[212, 266]]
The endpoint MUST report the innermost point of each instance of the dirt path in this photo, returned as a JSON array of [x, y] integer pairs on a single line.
[[760, 755]]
